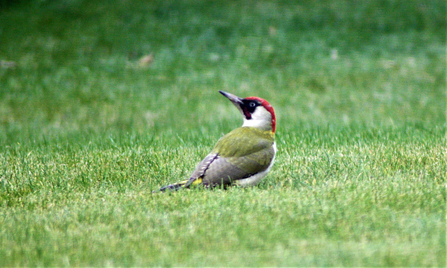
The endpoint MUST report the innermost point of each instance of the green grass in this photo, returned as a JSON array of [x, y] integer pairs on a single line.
[[86, 133]]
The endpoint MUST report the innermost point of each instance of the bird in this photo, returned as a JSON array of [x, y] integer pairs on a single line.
[[242, 157]]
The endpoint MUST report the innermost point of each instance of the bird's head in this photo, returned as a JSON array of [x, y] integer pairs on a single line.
[[257, 112]]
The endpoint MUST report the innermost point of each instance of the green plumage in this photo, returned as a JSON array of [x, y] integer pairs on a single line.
[[247, 148], [241, 153], [244, 141]]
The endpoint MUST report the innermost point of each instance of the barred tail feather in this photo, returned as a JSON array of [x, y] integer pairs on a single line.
[[183, 184], [174, 186]]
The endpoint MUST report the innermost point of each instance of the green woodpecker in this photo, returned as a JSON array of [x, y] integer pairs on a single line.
[[242, 157]]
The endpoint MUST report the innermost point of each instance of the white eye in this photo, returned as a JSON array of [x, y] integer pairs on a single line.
[[252, 104]]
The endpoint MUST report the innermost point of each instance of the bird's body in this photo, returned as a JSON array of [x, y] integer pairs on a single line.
[[242, 157]]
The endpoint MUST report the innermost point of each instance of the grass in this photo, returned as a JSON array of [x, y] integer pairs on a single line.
[[87, 131]]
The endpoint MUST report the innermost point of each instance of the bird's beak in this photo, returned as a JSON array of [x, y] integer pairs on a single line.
[[233, 98], [238, 102]]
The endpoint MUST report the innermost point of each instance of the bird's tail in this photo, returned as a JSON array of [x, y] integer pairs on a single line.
[[174, 187], [179, 185]]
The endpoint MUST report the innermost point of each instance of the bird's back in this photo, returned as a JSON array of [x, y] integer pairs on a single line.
[[251, 151]]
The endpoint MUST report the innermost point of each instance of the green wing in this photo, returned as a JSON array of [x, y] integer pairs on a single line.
[[241, 153], [238, 155], [244, 141]]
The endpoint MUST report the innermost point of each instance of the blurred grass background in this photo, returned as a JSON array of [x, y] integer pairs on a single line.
[[103, 101], [319, 62]]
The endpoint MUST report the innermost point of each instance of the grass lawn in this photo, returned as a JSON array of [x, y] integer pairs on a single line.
[[102, 102]]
